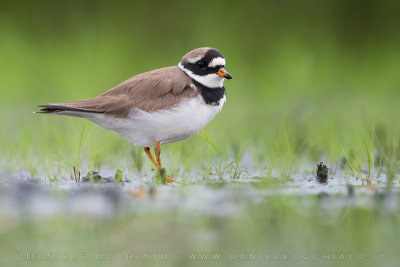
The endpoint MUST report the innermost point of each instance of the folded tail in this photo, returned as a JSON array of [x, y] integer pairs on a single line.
[[85, 106]]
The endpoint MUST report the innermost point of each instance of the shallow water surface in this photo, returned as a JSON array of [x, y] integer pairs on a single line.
[[22, 196]]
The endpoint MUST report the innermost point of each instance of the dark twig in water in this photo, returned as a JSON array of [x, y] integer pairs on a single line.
[[322, 173], [77, 176]]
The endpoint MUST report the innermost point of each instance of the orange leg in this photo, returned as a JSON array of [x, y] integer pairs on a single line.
[[157, 151]]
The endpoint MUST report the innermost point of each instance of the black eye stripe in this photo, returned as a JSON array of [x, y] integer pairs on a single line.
[[201, 63], [196, 69]]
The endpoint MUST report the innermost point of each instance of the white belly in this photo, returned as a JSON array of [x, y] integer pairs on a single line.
[[177, 123]]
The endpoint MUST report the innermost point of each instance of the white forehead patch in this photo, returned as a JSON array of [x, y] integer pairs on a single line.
[[218, 61], [194, 59]]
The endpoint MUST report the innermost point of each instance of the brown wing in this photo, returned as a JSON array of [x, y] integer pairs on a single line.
[[149, 91]]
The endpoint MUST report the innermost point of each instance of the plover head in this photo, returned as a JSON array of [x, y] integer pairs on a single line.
[[206, 66]]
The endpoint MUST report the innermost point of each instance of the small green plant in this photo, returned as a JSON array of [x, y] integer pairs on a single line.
[[370, 161], [118, 178], [354, 166], [161, 177], [291, 155], [238, 153], [369, 147], [220, 166], [52, 180]]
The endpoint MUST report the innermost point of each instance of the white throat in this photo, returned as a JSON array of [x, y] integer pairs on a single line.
[[212, 80]]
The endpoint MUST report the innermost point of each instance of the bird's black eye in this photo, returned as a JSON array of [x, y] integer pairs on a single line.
[[201, 64]]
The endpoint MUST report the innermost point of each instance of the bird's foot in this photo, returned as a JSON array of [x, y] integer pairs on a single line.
[[170, 180], [164, 178]]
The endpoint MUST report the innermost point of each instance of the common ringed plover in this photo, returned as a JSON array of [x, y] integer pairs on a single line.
[[160, 106]]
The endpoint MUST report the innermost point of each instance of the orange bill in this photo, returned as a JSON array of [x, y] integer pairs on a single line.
[[223, 74]]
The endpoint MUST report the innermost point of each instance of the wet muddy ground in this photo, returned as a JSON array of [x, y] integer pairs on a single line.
[[105, 194]]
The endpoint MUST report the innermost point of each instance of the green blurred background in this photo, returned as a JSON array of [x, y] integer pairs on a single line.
[[313, 80], [324, 74]]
